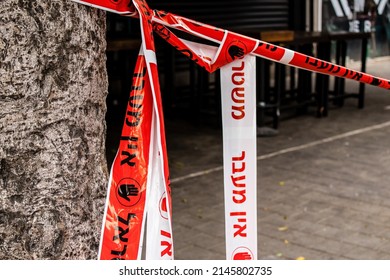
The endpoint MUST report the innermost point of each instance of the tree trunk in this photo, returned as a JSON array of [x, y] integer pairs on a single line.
[[53, 85]]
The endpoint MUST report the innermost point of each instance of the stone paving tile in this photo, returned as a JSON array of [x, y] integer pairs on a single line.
[[383, 246], [361, 253], [213, 228], [350, 226], [273, 249], [192, 252], [332, 232], [332, 243]]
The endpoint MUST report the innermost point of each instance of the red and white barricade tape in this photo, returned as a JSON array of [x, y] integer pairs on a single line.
[[139, 188], [238, 88]]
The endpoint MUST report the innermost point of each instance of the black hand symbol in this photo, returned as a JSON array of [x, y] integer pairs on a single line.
[[236, 51], [242, 256], [125, 191]]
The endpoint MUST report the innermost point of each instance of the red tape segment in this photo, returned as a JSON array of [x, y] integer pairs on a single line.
[[124, 215], [263, 49], [139, 186], [159, 242], [233, 41]]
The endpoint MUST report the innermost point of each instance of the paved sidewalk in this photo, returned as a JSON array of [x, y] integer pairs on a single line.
[[323, 187]]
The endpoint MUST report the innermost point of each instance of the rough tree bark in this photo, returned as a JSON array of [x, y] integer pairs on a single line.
[[53, 85]]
